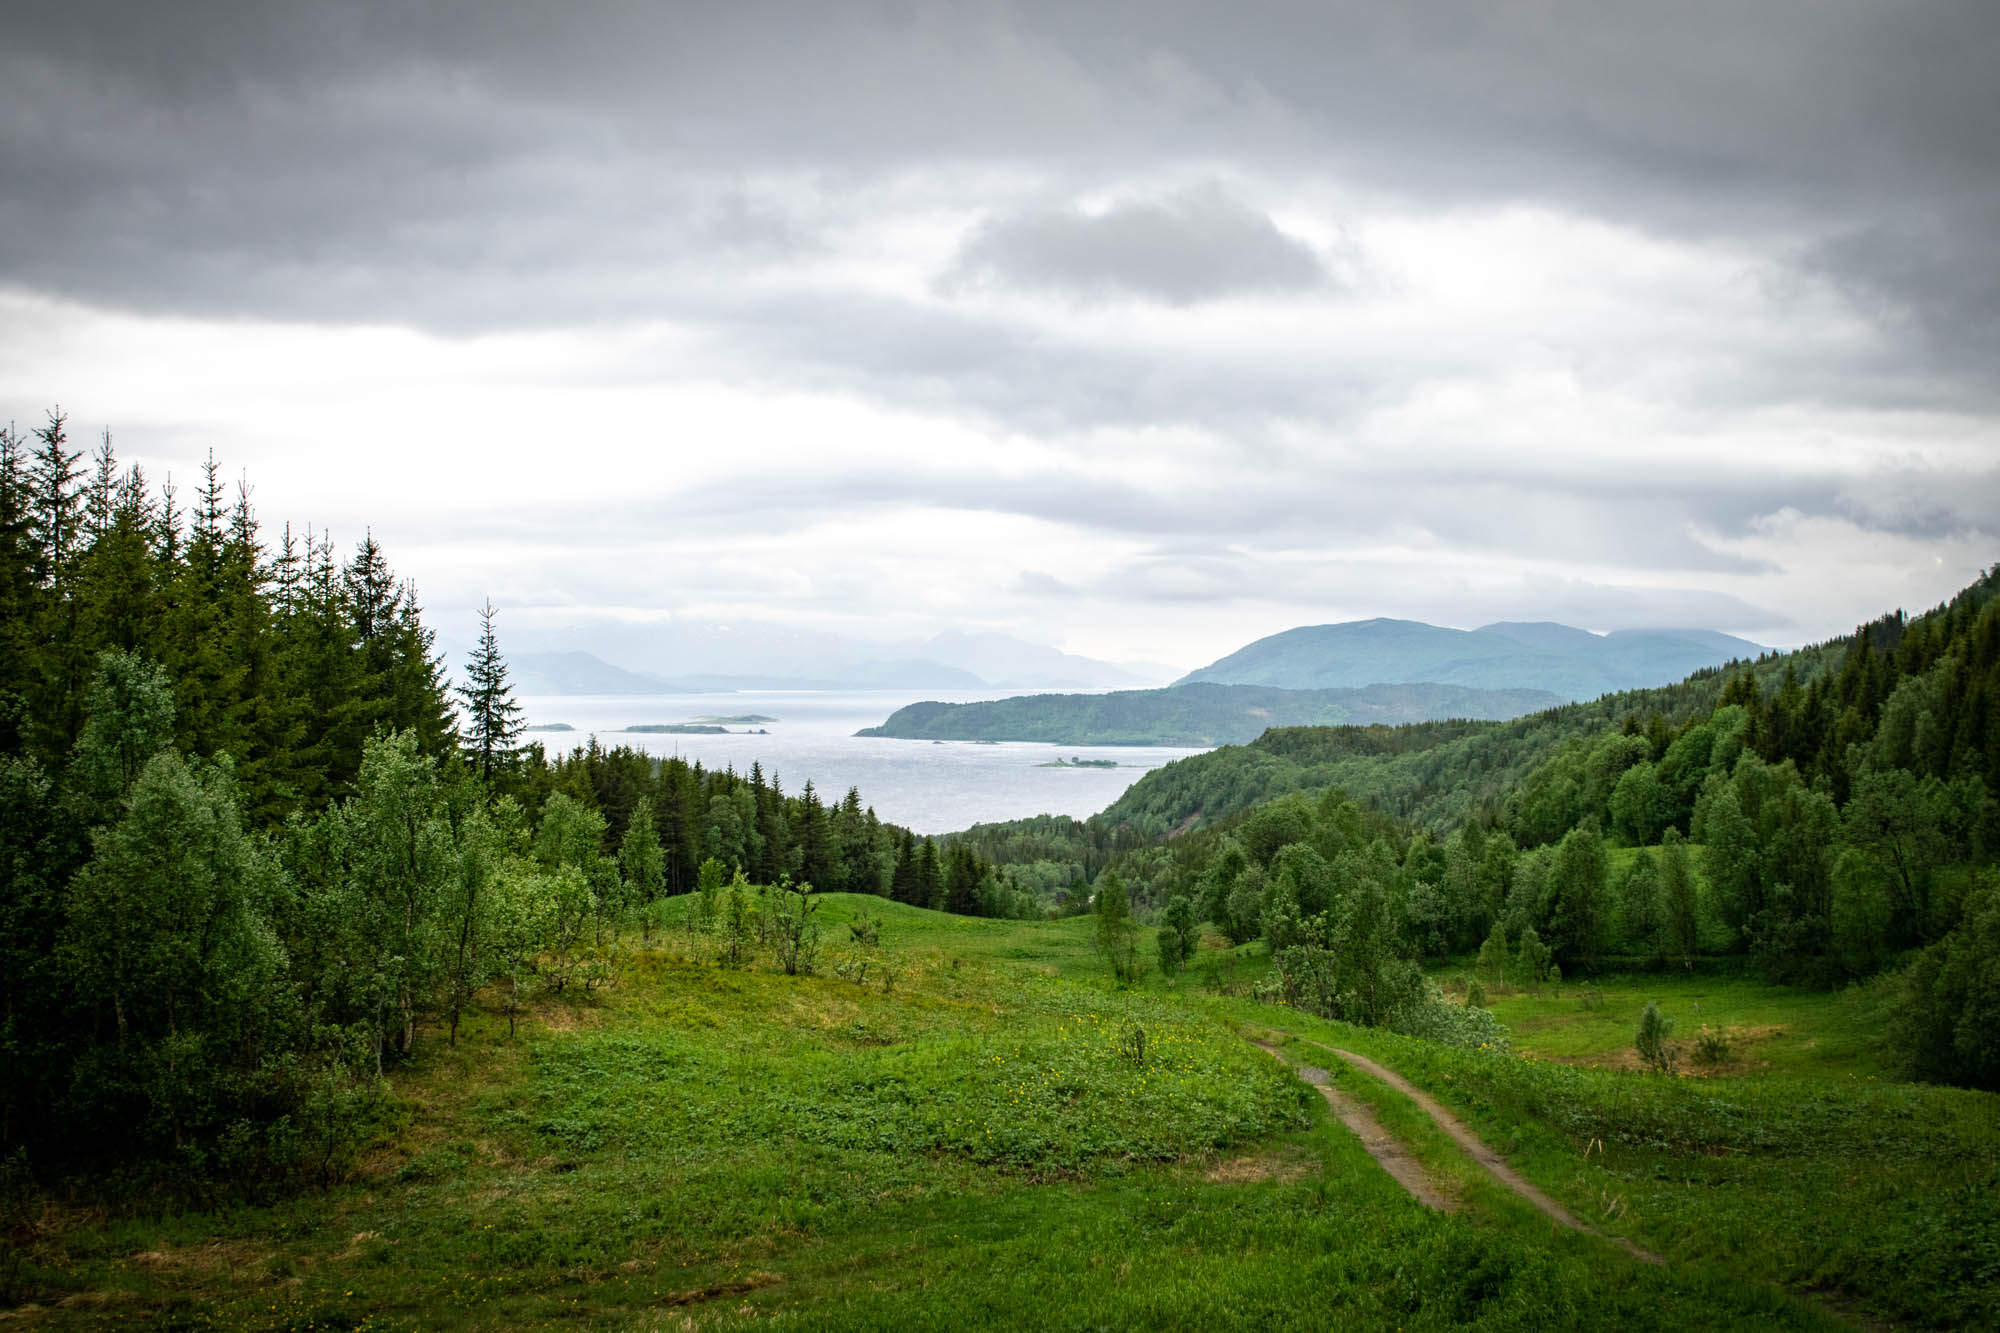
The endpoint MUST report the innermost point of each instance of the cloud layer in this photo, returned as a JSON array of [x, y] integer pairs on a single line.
[[1138, 327]]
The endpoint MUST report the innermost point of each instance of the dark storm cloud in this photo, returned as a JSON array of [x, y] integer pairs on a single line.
[[1194, 245], [1923, 502], [466, 166], [265, 148], [968, 364]]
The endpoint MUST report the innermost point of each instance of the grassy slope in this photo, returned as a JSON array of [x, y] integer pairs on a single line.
[[968, 1145], [1768, 1028], [1885, 1198]]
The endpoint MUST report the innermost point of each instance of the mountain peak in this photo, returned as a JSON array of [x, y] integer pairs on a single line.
[[1569, 662]]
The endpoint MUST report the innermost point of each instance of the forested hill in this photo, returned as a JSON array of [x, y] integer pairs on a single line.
[[1572, 663], [1823, 815], [1436, 775], [1199, 714], [248, 860], [1808, 706]]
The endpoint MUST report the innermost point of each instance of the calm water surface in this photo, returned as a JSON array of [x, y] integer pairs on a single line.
[[928, 786]]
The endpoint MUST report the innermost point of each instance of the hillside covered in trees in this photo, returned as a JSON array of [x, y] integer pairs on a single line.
[[254, 848], [1824, 815]]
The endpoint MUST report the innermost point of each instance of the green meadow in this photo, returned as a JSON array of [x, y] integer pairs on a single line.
[[965, 1124]]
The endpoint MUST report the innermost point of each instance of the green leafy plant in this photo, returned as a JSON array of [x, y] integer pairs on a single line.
[[1711, 1045], [794, 931], [1650, 1040]]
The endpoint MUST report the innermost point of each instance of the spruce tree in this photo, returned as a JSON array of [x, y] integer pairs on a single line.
[[492, 717]]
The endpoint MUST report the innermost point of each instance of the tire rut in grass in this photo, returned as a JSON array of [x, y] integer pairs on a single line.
[[1476, 1148], [1383, 1146]]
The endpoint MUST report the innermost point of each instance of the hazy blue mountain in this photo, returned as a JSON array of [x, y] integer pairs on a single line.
[[1198, 714], [1015, 663], [1510, 655], [1544, 636], [577, 673], [757, 655], [583, 673], [903, 673]]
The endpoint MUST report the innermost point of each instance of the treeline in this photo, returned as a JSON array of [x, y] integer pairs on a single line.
[[748, 824], [1437, 775], [247, 858], [1810, 706], [287, 659]]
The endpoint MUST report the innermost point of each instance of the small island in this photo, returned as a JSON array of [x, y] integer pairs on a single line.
[[549, 726], [678, 729], [1074, 762]]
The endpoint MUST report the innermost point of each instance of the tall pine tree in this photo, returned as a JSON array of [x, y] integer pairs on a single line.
[[492, 717]]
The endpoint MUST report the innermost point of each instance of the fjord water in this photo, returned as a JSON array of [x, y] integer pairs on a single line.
[[928, 786]]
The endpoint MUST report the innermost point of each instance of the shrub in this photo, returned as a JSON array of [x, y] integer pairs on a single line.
[[1711, 1045], [1475, 995], [1492, 963], [1117, 933], [1651, 1039], [1531, 962], [794, 929], [1429, 1015]]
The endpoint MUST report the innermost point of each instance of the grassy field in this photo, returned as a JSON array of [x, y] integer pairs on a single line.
[[955, 1128], [1764, 1028]]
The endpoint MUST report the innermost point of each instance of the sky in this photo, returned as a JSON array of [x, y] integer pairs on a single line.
[[1139, 329]]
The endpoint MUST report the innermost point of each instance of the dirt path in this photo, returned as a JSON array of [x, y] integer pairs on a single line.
[[1476, 1148], [1388, 1153]]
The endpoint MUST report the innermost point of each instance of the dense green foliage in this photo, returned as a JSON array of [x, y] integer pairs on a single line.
[[1197, 714], [248, 857]]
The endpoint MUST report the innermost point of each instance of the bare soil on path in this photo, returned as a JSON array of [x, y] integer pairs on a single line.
[[1476, 1148], [1383, 1146]]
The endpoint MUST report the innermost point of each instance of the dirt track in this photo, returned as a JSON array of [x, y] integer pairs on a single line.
[[1476, 1148], [1383, 1146]]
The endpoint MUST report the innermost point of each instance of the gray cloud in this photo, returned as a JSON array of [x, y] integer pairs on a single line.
[[471, 166], [1193, 245], [291, 158], [1218, 541], [1040, 583], [1345, 583]]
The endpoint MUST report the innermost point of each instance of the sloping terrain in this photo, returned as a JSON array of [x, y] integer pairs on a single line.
[[1571, 663]]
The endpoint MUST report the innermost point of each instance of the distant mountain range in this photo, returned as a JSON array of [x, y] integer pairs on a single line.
[[1198, 714], [1360, 672], [762, 657], [1499, 670], [1509, 655]]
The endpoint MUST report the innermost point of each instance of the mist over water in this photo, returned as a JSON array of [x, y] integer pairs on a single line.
[[929, 786]]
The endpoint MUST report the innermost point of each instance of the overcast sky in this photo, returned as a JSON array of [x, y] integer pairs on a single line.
[[1139, 329]]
